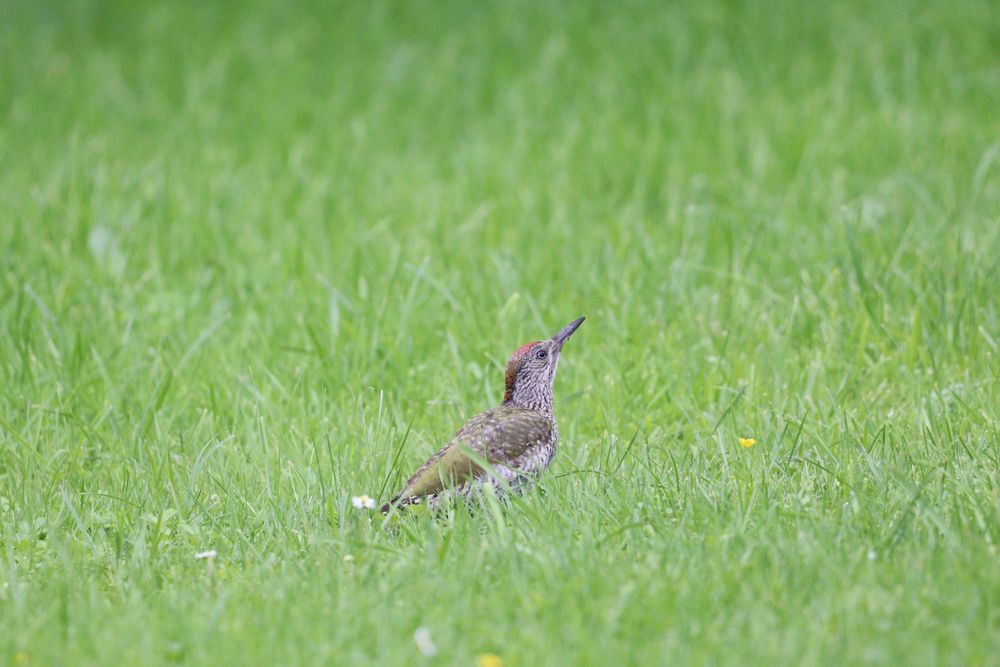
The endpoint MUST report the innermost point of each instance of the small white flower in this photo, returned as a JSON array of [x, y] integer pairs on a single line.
[[348, 558], [363, 502], [210, 554], [872, 555], [422, 638]]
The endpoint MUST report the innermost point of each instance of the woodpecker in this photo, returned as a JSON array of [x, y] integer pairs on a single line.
[[517, 438]]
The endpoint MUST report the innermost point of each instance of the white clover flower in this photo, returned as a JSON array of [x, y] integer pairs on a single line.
[[422, 638], [363, 502], [209, 558]]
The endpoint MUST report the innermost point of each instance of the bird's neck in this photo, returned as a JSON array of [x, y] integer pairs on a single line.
[[532, 398]]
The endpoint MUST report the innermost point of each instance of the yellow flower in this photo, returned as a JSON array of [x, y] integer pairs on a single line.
[[21, 658], [747, 443], [489, 660]]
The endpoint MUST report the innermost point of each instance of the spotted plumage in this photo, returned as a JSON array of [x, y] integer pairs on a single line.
[[516, 440]]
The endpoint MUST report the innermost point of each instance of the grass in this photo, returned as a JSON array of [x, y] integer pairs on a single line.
[[248, 252]]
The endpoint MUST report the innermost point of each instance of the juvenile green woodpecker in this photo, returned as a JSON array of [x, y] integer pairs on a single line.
[[517, 439]]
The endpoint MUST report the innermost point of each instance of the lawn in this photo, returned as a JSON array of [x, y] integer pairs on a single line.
[[250, 253]]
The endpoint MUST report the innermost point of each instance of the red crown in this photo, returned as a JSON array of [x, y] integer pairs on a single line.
[[514, 365], [524, 349]]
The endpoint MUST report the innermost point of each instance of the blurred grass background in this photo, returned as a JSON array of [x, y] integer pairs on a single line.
[[249, 250]]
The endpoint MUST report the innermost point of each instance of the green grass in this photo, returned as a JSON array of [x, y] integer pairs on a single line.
[[244, 250]]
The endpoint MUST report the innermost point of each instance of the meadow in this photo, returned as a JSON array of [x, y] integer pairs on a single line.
[[258, 258]]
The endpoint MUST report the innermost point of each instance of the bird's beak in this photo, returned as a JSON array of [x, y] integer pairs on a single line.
[[566, 332]]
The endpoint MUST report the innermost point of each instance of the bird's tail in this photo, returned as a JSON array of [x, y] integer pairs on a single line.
[[402, 503]]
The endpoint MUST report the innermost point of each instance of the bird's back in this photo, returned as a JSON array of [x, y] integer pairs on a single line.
[[514, 441]]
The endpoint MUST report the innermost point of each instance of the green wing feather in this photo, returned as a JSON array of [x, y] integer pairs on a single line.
[[498, 435]]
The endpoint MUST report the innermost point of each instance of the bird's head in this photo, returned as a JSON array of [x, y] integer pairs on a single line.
[[532, 370]]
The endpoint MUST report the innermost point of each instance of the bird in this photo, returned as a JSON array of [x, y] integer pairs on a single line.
[[517, 439]]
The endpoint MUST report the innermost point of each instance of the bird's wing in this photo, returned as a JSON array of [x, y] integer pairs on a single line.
[[497, 435]]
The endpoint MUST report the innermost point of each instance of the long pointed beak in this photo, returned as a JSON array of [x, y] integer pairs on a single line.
[[567, 331]]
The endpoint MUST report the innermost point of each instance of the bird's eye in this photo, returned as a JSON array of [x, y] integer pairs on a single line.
[[541, 354]]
